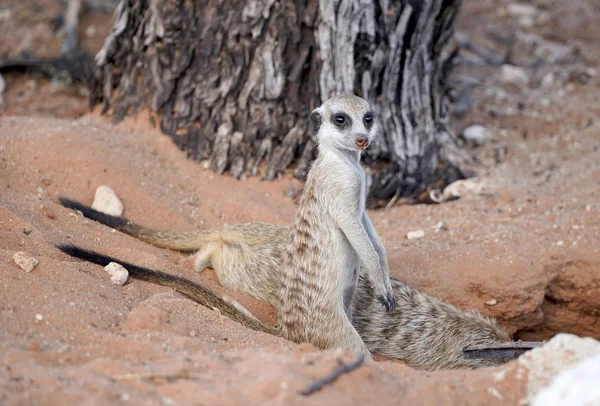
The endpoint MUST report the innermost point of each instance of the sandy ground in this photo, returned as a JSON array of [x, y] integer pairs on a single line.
[[521, 245]]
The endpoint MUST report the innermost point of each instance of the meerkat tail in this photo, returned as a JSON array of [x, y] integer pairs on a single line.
[[425, 332], [180, 241], [199, 293]]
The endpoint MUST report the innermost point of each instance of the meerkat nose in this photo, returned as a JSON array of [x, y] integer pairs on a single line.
[[362, 141]]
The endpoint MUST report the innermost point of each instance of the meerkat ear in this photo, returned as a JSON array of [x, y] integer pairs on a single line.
[[315, 122]]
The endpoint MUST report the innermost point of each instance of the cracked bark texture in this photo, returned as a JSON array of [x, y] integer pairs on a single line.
[[234, 81]]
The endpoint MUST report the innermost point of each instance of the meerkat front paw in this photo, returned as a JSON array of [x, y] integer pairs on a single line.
[[386, 297], [388, 301]]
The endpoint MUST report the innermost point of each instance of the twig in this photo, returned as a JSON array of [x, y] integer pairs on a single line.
[[394, 200], [339, 371], [71, 26], [153, 375]]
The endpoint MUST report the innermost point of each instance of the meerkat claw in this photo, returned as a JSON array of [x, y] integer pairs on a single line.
[[392, 301], [387, 303]]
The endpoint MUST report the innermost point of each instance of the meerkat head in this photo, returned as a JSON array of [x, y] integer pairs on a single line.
[[344, 122]]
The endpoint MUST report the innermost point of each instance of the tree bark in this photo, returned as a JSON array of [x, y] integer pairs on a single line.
[[234, 81]]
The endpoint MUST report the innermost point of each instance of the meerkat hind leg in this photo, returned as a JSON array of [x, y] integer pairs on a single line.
[[349, 292], [204, 257]]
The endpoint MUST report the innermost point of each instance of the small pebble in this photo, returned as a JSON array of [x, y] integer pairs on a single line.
[[291, 191], [526, 21], [492, 302], [440, 226], [477, 134], [25, 261], [521, 10], [90, 31], [107, 201], [39, 317], [560, 243], [413, 235], [514, 75], [548, 80], [118, 274]]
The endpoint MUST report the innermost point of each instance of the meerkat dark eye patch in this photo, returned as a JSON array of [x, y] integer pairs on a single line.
[[368, 119], [341, 120]]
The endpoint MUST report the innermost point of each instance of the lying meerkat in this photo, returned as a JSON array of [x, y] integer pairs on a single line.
[[422, 331], [320, 257]]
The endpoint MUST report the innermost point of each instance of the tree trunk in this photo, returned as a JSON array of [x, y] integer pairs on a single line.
[[234, 81]]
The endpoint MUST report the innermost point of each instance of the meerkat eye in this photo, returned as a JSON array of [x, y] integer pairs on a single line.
[[368, 118], [339, 119]]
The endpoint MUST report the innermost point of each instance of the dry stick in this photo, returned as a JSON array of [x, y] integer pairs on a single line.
[[339, 371], [70, 26], [154, 375]]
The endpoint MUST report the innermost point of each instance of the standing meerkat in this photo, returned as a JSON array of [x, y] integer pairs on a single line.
[[329, 240], [331, 235]]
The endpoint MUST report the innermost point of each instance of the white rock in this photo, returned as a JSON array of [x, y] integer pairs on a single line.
[[25, 261], [477, 134], [539, 366], [118, 274], [526, 21], [521, 10], [577, 386], [548, 80], [440, 226], [461, 188], [413, 235], [514, 75], [492, 302], [107, 201]]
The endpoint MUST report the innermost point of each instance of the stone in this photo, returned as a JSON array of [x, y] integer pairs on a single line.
[[477, 134], [413, 235], [107, 201], [522, 10], [514, 75], [548, 80], [118, 274], [577, 386], [559, 354], [25, 261], [461, 188]]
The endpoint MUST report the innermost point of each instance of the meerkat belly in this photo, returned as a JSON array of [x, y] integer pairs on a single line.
[[248, 269]]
